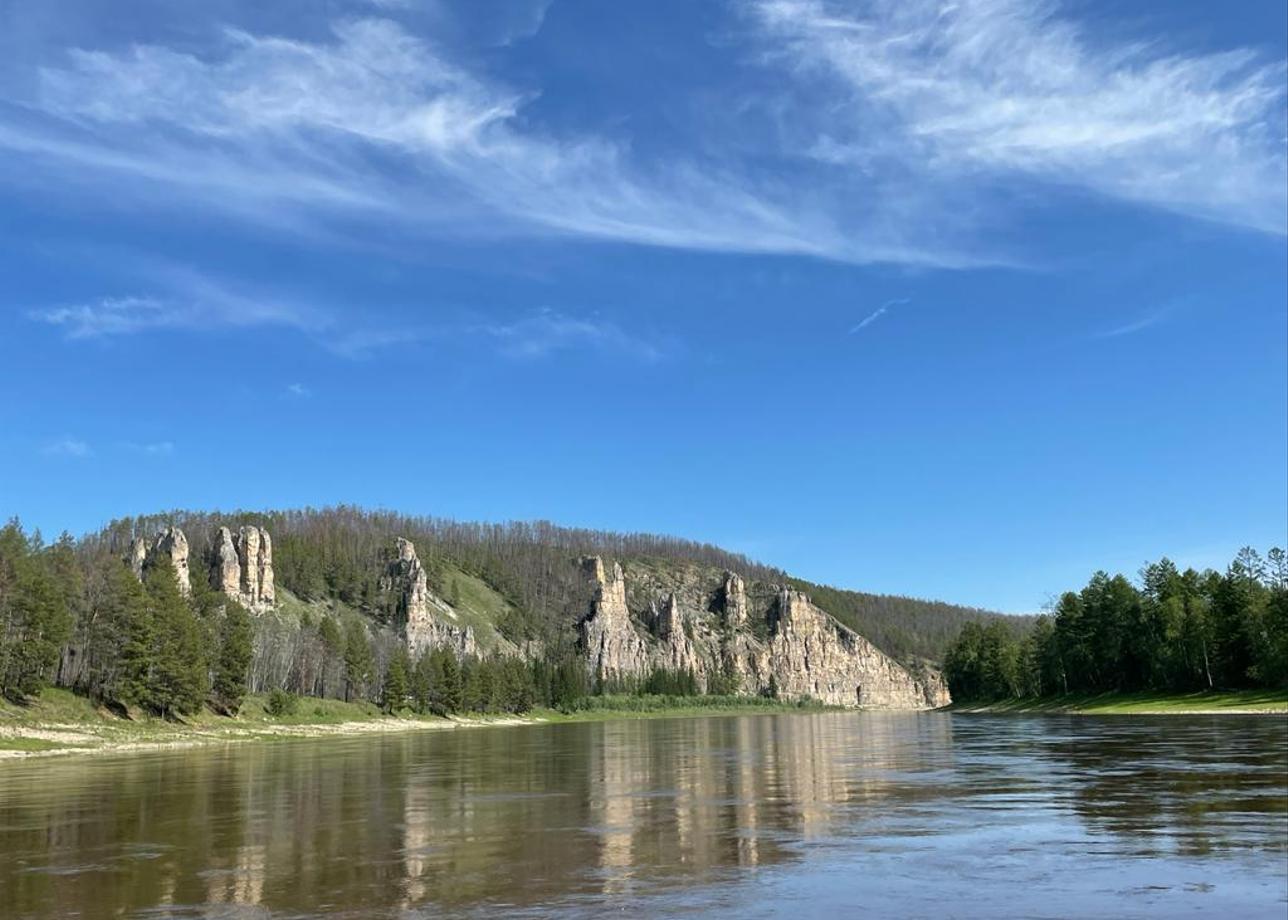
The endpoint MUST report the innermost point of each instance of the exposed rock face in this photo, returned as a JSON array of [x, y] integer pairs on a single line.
[[797, 650], [242, 567], [677, 650], [734, 601], [426, 619], [614, 648], [813, 655], [138, 556], [170, 543], [225, 572]]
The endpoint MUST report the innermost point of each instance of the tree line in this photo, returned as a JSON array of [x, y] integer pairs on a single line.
[[83, 620], [340, 553], [1169, 631]]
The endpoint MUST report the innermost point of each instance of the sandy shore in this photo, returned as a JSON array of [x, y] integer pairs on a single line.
[[64, 740]]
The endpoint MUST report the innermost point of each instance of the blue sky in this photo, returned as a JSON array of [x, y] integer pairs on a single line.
[[954, 300]]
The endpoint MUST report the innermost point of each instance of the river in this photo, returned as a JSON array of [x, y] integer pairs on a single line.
[[830, 815]]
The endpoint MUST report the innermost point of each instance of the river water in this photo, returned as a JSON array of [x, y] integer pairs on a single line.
[[831, 815]]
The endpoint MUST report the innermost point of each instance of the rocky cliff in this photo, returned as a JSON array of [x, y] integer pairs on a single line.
[[426, 620], [242, 566], [782, 643], [170, 544]]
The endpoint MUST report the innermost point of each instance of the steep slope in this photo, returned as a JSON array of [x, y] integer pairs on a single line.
[[760, 639]]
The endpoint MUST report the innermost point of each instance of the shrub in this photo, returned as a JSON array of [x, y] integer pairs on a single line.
[[281, 703]]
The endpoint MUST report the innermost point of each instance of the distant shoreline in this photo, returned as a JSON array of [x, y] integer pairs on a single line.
[[63, 724], [1203, 703]]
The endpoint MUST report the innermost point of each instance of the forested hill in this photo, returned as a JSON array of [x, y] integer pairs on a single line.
[[338, 554], [907, 628]]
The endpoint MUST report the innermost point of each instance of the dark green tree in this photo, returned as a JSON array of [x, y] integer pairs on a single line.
[[232, 659], [396, 688], [358, 661]]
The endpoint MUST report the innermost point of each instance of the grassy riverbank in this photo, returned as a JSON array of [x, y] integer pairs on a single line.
[[60, 722], [1212, 702]]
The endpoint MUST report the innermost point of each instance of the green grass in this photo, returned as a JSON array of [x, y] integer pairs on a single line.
[[1216, 701], [27, 745], [54, 706], [613, 706], [478, 605]]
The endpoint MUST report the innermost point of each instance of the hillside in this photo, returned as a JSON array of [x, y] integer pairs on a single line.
[[517, 580], [172, 612]]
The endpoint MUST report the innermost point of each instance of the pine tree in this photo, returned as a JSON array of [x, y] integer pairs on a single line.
[[34, 619], [177, 678], [451, 687], [232, 659], [393, 695], [358, 661]]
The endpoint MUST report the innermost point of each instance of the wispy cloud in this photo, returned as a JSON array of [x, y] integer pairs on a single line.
[[298, 391], [983, 89], [1137, 325], [876, 314], [548, 331], [191, 300], [150, 448], [379, 124], [907, 119], [67, 446]]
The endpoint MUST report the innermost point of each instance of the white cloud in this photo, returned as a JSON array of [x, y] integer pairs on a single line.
[[298, 391], [1137, 325], [380, 124], [975, 89], [876, 314], [191, 301], [904, 130], [67, 446], [548, 331], [152, 448]]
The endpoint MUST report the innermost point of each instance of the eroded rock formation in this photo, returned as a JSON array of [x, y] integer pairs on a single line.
[[242, 566], [788, 645], [170, 544], [615, 649], [425, 619]]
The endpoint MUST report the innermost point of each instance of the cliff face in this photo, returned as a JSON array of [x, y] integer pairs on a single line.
[[786, 644], [425, 619], [614, 648], [170, 544], [242, 567]]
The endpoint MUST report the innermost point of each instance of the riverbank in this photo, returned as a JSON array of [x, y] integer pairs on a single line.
[[62, 723], [1211, 702]]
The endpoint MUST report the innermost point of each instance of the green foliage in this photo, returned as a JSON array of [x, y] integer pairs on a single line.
[[358, 661], [35, 614], [397, 686], [232, 659], [176, 666], [280, 703], [1175, 631], [666, 682]]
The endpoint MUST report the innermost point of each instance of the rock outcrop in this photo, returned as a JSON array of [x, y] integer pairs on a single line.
[[225, 569], [138, 557], [787, 646], [734, 601], [425, 619], [170, 544], [811, 654], [615, 649], [242, 566], [678, 653]]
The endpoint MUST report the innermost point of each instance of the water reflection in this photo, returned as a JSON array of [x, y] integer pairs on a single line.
[[648, 815]]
